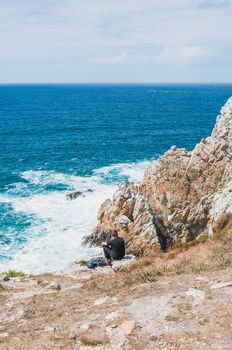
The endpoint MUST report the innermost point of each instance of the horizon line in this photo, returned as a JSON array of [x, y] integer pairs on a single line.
[[116, 83]]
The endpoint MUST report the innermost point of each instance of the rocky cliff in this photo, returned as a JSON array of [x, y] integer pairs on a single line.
[[181, 196]]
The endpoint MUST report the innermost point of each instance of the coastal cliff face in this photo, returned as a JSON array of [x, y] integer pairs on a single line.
[[182, 195]]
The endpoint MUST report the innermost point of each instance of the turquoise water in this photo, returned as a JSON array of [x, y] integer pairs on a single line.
[[59, 138]]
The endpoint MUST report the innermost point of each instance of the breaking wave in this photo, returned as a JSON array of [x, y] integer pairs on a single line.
[[43, 231]]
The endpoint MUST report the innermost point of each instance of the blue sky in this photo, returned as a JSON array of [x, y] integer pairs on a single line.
[[115, 41]]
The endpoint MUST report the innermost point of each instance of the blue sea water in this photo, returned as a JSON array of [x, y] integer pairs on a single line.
[[59, 138]]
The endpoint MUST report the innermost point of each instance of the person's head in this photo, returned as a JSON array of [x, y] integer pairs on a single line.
[[114, 234]]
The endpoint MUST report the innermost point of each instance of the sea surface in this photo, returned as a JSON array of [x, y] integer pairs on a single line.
[[60, 138]]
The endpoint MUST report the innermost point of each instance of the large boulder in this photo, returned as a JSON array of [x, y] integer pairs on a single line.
[[181, 196]]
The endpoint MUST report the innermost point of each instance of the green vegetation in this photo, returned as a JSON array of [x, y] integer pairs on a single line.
[[82, 262], [13, 273], [171, 318]]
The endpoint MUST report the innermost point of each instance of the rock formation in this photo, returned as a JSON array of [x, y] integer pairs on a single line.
[[181, 196]]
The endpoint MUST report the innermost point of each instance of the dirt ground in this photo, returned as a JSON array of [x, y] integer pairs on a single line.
[[70, 311]]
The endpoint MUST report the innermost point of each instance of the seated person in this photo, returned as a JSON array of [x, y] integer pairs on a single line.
[[115, 248]]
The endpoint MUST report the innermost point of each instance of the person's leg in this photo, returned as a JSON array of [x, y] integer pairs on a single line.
[[108, 253]]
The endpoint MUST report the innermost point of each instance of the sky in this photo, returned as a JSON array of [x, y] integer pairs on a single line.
[[103, 41]]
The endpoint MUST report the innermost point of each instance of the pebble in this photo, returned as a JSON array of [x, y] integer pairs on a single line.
[[55, 286], [221, 285], [111, 316], [72, 336], [4, 278], [100, 301], [94, 338], [127, 327], [4, 335]]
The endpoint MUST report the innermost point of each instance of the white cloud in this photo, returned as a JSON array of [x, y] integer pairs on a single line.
[[185, 55], [214, 3], [79, 40], [117, 59]]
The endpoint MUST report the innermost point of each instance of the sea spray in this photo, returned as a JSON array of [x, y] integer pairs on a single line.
[[57, 226]]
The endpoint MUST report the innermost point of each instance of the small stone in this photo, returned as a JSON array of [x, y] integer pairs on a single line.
[[127, 327], [202, 278], [4, 335], [84, 326], [153, 338], [55, 286], [221, 285], [4, 278], [197, 294], [94, 338], [58, 336], [100, 301], [111, 316], [72, 336], [50, 329], [43, 283]]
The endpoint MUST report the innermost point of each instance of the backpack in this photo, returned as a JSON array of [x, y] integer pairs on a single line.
[[96, 262]]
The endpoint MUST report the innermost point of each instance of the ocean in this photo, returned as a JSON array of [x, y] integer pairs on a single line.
[[55, 139]]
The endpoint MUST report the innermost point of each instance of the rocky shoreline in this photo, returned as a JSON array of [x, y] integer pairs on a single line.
[[181, 197], [180, 300]]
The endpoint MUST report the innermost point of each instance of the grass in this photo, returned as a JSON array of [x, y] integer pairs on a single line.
[[171, 318], [82, 262], [195, 257], [13, 273]]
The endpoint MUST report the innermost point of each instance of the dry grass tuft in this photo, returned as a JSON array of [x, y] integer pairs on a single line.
[[82, 262], [204, 254], [224, 223]]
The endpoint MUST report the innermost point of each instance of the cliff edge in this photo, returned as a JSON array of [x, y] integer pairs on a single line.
[[181, 197]]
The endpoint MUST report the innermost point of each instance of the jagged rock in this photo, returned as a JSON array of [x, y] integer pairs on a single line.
[[89, 190], [181, 196], [73, 195], [127, 327], [222, 202], [129, 212]]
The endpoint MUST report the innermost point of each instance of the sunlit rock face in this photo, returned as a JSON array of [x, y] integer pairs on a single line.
[[181, 196]]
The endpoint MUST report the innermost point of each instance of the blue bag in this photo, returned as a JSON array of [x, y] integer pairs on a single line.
[[95, 262]]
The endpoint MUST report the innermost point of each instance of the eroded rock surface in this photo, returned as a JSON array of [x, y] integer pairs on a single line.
[[181, 196], [176, 312]]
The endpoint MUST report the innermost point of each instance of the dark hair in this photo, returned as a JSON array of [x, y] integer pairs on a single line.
[[114, 233]]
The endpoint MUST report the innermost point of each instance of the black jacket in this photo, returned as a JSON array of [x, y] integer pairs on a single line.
[[117, 245]]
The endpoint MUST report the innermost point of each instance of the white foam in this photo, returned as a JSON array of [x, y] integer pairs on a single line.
[[134, 171], [55, 238]]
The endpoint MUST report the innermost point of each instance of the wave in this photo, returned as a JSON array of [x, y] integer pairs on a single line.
[[53, 239]]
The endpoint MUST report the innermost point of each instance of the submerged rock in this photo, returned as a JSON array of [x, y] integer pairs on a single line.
[[181, 196], [73, 195]]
